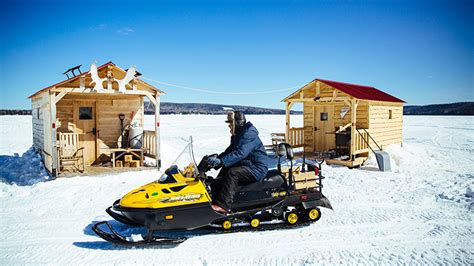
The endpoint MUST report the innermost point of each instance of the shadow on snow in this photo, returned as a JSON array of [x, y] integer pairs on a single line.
[[24, 170]]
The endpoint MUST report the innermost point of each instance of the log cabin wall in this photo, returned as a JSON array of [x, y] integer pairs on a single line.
[[42, 124], [362, 120], [386, 123], [107, 116], [64, 113], [108, 123], [38, 109]]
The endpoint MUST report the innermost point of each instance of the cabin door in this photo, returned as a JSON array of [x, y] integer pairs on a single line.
[[85, 121], [323, 134]]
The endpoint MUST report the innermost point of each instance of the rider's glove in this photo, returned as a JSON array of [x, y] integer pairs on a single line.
[[214, 162]]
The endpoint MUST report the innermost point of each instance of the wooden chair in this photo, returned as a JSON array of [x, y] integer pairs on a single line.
[[69, 152]]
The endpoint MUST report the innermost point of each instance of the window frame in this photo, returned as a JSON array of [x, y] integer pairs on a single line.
[[90, 115]]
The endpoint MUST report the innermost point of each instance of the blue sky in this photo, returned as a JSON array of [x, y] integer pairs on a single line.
[[419, 51]]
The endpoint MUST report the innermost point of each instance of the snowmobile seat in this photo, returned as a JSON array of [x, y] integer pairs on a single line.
[[272, 180]]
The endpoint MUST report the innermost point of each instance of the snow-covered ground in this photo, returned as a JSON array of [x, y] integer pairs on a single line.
[[420, 213]]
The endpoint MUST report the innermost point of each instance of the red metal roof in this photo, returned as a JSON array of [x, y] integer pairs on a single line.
[[362, 92]]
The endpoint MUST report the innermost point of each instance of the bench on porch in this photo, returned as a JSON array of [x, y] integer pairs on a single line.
[[69, 153]]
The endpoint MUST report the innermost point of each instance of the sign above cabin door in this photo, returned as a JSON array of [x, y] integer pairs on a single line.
[[85, 121], [323, 134]]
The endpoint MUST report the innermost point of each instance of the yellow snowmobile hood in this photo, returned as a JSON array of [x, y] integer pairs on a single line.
[[183, 191]]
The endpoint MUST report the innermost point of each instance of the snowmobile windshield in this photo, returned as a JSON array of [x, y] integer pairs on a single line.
[[183, 167]]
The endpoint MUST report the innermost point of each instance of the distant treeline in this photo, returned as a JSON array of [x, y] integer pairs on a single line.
[[14, 112], [206, 108], [463, 108]]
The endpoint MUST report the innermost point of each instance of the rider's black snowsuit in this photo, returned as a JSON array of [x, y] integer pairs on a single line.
[[244, 161]]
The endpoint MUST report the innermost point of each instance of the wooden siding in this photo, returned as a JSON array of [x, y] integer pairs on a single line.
[[41, 126], [324, 91], [382, 128], [108, 123], [308, 116], [64, 113], [47, 133], [107, 116], [38, 107], [362, 120]]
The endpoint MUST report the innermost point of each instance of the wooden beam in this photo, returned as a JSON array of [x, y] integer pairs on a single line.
[[287, 118], [157, 131], [109, 78], [82, 81], [353, 129], [134, 84], [324, 99], [53, 126], [91, 91], [60, 96], [342, 128], [348, 103], [332, 99], [300, 100], [318, 88]]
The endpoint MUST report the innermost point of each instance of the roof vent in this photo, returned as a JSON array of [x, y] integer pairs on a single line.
[[71, 71]]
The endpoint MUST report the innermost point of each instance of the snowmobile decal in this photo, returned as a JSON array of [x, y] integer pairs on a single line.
[[187, 197]]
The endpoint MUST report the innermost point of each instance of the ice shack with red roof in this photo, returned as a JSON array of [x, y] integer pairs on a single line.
[[93, 122], [347, 119]]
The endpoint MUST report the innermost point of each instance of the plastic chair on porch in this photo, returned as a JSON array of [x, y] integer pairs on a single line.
[[70, 155]]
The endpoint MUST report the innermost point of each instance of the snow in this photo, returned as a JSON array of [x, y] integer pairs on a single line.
[[420, 213]]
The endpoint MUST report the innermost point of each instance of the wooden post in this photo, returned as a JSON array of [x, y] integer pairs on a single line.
[[109, 78], [318, 89], [287, 119], [54, 148], [82, 82], [353, 127], [157, 131]]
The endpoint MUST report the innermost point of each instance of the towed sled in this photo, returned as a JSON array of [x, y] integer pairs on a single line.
[[181, 200]]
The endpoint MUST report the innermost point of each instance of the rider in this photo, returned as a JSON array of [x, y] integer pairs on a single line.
[[244, 161]]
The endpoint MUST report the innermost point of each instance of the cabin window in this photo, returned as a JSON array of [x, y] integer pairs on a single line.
[[389, 114], [37, 113], [85, 113], [324, 116]]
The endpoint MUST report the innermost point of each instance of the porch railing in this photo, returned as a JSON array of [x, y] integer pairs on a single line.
[[296, 136], [360, 141], [149, 143]]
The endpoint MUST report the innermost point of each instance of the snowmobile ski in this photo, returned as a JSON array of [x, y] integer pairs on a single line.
[[119, 217], [148, 240]]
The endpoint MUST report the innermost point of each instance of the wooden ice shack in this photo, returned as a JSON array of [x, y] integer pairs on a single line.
[[350, 120], [88, 118]]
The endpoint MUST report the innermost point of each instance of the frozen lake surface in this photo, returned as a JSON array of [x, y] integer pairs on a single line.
[[420, 213]]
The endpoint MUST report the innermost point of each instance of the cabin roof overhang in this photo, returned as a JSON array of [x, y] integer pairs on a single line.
[[65, 84], [355, 91]]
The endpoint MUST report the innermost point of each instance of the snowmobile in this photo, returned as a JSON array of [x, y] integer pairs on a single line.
[[181, 200]]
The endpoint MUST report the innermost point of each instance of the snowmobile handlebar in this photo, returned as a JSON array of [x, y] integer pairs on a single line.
[[204, 166]]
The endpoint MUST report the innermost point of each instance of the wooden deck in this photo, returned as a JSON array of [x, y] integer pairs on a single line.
[[99, 170], [298, 154], [351, 164]]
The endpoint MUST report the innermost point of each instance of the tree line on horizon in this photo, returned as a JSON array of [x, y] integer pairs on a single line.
[[461, 108]]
